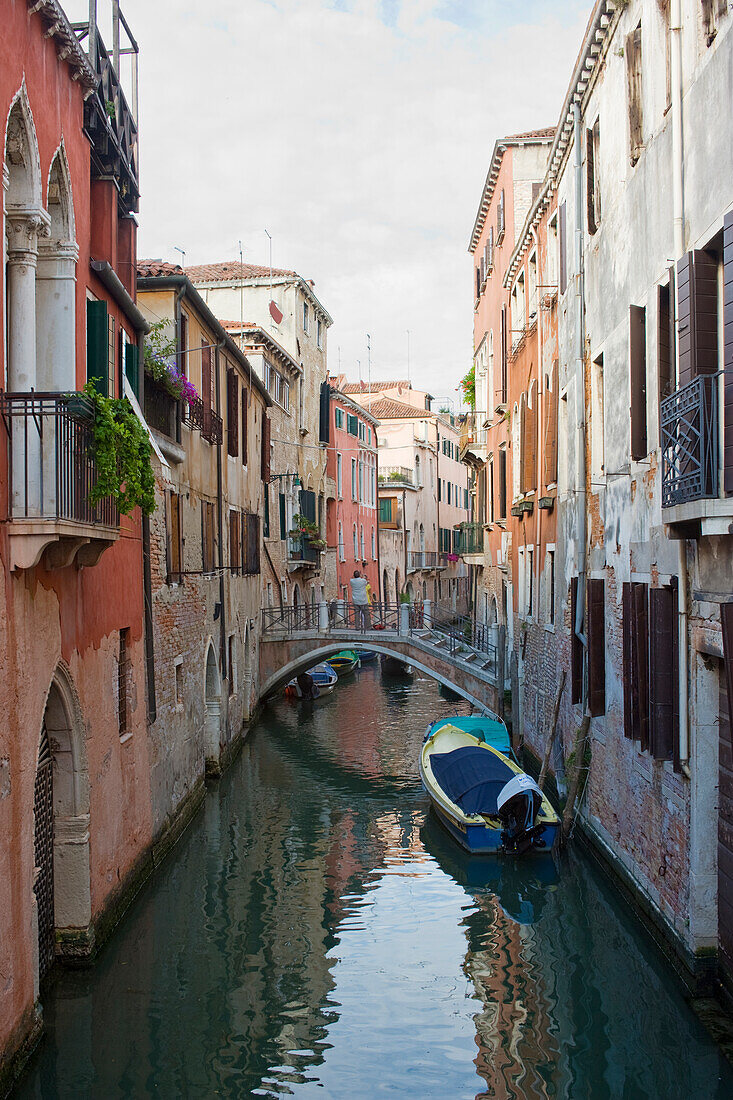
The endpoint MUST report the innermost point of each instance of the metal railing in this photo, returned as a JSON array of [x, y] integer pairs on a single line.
[[395, 475], [205, 420], [473, 430], [422, 559], [469, 539], [339, 615], [51, 464], [689, 437], [301, 550], [461, 634], [160, 408]]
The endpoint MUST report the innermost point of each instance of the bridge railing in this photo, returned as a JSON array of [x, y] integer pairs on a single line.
[[461, 633], [337, 615]]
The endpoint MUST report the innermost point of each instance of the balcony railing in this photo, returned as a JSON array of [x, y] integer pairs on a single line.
[[473, 431], [301, 551], [395, 475], [689, 432], [206, 421], [51, 463], [422, 559], [160, 408], [469, 539]]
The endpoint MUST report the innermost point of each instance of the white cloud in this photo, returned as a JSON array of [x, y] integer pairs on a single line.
[[361, 144]]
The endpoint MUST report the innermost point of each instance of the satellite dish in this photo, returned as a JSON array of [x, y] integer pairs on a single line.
[[275, 313]]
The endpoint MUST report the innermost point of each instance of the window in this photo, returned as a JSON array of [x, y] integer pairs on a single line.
[[532, 286], [593, 186], [374, 545], [550, 450], [356, 542], [697, 297], [342, 548], [490, 246], [361, 479], [361, 542], [319, 333], [388, 512], [665, 345], [502, 392], [306, 317], [353, 479], [231, 656], [500, 218], [650, 668], [232, 413], [576, 647], [266, 516], [207, 536], [245, 429], [250, 554], [563, 247], [490, 488], [637, 361], [596, 647], [183, 344], [530, 582], [111, 356], [283, 516], [339, 418], [339, 475], [122, 680], [175, 541], [552, 254], [234, 542], [551, 587], [362, 431], [207, 375], [178, 673], [352, 424], [449, 491], [502, 484], [634, 81]]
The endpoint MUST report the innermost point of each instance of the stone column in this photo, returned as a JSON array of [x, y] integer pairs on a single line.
[[56, 318], [23, 229]]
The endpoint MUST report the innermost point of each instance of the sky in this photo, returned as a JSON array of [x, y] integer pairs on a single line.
[[358, 133]]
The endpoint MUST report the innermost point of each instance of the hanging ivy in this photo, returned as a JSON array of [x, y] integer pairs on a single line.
[[121, 455]]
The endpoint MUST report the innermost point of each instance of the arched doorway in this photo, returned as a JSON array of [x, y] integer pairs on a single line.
[[61, 888], [385, 586], [212, 696], [397, 586]]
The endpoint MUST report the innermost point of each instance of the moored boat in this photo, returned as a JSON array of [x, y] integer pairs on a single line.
[[487, 728], [345, 661], [393, 666], [366, 655], [482, 796], [323, 681]]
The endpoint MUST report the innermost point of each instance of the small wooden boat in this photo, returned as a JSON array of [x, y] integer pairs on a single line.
[[323, 679], [392, 666], [345, 661], [487, 728], [366, 655], [482, 796]]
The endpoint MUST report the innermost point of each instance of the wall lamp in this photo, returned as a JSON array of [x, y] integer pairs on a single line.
[[279, 477]]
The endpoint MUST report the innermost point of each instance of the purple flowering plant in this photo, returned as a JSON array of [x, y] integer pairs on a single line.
[[161, 365]]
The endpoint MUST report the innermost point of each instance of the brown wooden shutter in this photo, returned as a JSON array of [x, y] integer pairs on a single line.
[[726, 622], [662, 677], [665, 344], [234, 541], [728, 353], [697, 303], [596, 647], [634, 78], [640, 593], [628, 672], [502, 483], [521, 458], [637, 360], [530, 445], [576, 648], [550, 455], [590, 182], [265, 463], [245, 426], [232, 413], [563, 242], [207, 377], [175, 548]]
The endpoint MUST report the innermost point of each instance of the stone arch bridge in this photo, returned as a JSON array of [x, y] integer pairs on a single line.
[[453, 650]]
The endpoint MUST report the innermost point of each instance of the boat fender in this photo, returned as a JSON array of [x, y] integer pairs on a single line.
[[520, 784]]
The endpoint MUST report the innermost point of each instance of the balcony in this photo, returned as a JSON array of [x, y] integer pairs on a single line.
[[51, 472], [394, 477], [423, 559], [302, 554], [205, 420], [160, 408], [469, 539], [474, 436], [690, 455]]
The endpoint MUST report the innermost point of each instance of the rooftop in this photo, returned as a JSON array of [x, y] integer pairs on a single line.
[[232, 269], [386, 408]]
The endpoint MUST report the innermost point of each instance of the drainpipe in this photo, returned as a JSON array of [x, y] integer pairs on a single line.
[[540, 420], [678, 205], [404, 541], [578, 625], [182, 364], [220, 522]]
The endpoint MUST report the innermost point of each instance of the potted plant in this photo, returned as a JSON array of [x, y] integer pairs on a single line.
[[161, 366]]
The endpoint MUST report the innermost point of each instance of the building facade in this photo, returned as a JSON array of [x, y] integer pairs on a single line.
[[74, 755], [352, 517]]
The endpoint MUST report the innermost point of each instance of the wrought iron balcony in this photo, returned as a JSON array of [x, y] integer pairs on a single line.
[[474, 435], [689, 435], [394, 476], [469, 539], [301, 552], [423, 559], [51, 473], [205, 420]]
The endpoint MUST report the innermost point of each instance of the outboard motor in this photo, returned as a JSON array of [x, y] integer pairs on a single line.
[[518, 804]]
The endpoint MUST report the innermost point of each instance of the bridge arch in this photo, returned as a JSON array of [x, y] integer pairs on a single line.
[[313, 654]]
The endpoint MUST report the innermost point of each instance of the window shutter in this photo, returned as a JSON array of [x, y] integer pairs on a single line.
[[697, 295], [562, 234], [596, 647], [590, 182], [324, 432], [234, 542], [665, 344], [637, 359], [98, 346], [232, 413], [530, 445], [627, 620], [522, 456], [245, 426], [640, 683], [576, 648], [662, 677], [478, 282], [634, 76], [266, 517], [283, 521], [174, 540], [728, 356], [502, 484], [265, 457], [551, 429], [726, 622], [308, 504], [132, 371], [253, 544], [207, 377], [504, 355]]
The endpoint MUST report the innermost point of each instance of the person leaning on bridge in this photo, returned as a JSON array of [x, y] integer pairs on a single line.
[[360, 600]]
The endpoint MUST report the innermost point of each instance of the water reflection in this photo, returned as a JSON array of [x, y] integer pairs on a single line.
[[316, 932]]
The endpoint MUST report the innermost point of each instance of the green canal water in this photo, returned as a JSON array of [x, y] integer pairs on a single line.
[[315, 934]]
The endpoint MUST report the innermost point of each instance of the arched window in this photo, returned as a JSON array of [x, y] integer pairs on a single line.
[[356, 543], [374, 545], [342, 548], [385, 586], [361, 542], [490, 377], [517, 419], [417, 470]]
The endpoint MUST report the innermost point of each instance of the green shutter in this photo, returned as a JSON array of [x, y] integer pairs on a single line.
[[385, 510], [131, 367], [97, 346], [283, 527]]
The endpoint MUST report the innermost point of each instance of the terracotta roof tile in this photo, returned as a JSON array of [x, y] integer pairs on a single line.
[[147, 269], [388, 409], [232, 269], [375, 387]]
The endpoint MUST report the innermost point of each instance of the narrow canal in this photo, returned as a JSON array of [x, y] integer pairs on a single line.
[[316, 934]]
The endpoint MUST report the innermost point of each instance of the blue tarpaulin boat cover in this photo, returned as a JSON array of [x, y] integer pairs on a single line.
[[472, 778]]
